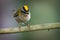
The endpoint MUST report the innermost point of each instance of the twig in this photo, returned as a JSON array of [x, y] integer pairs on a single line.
[[32, 28]]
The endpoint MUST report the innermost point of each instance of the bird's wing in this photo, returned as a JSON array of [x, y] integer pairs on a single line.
[[19, 12]]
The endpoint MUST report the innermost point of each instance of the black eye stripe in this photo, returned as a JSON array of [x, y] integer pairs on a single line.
[[23, 12]]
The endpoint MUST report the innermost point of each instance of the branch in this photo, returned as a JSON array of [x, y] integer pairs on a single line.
[[32, 28]]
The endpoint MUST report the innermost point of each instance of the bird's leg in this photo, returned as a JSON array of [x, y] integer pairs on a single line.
[[28, 26], [19, 26]]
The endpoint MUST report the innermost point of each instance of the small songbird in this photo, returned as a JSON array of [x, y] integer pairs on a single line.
[[23, 15]]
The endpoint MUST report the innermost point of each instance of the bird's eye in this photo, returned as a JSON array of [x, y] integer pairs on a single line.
[[23, 11]]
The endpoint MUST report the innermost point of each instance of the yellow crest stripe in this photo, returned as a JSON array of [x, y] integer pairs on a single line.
[[26, 7]]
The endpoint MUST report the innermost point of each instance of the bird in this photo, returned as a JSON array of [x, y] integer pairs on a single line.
[[23, 15]]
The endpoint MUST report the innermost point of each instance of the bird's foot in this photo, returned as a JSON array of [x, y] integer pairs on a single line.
[[28, 26], [19, 28]]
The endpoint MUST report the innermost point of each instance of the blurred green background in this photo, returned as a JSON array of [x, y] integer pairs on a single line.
[[42, 11]]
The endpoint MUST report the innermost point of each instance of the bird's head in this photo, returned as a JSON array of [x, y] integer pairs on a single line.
[[25, 9]]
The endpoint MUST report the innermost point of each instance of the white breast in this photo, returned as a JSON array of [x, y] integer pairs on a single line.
[[27, 18]]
